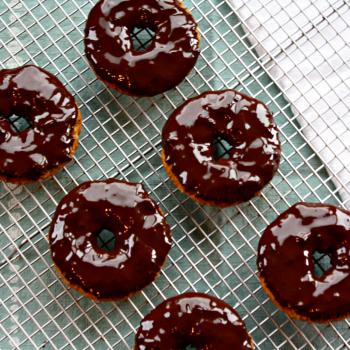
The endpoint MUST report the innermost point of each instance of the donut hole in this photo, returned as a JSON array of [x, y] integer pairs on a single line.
[[322, 263], [142, 38], [19, 123], [189, 347], [106, 240], [187, 342], [222, 148]]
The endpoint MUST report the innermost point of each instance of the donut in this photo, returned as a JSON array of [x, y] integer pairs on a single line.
[[163, 65], [142, 238], [188, 147], [286, 265], [38, 152], [193, 320]]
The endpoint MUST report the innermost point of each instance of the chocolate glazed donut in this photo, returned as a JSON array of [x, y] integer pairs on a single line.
[[38, 152], [286, 266], [163, 65], [193, 319], [189, 153], [143, 239]]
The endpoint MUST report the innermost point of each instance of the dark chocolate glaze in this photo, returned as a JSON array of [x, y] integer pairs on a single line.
[[285, 260], [143, 238], [164, 64], [245, 123], [196, 319], [41, 98]]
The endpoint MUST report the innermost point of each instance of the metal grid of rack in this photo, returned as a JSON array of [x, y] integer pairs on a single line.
[[214, 250]]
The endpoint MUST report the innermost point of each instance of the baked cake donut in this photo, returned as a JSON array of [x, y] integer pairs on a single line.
[[286, 264], [163, 65], [142, 239], [193, 319], [188, 153], [40, 151]]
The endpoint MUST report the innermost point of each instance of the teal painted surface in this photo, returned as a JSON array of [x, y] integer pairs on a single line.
[[214, 249]]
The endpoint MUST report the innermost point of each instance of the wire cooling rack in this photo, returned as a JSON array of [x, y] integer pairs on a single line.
[[214, 250]]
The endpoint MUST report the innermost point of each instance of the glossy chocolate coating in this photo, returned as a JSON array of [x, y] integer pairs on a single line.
[[163, 65], [143, 238], [285, 260], [41, 98], [196, 319], [245, 123]]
